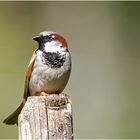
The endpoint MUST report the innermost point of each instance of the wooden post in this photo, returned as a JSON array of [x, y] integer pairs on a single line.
[[46, 117]]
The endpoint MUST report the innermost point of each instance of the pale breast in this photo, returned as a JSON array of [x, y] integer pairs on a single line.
[[47, 79]]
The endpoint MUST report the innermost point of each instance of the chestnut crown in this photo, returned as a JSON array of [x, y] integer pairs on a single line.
[[47, 37]]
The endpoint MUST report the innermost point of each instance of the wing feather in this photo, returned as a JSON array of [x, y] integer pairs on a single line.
[[28, 76]]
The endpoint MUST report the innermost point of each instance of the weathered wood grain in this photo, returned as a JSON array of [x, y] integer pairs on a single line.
[[46, 117]]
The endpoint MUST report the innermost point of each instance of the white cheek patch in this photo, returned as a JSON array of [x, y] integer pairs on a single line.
[[52, 46]]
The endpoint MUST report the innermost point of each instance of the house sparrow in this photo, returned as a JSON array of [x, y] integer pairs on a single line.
[[48, 71]]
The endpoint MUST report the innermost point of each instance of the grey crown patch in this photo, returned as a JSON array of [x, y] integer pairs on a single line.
[[54, 60]]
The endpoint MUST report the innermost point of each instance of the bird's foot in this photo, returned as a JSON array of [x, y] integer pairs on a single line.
[[42, 94]]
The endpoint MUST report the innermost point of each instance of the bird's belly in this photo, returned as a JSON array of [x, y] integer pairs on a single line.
[[44, 79]]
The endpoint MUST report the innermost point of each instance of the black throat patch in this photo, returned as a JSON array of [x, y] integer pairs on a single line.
[[54, 60]]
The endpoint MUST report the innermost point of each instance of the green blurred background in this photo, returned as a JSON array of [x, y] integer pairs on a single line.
[[104, 40]]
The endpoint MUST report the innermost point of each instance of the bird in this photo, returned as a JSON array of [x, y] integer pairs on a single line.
[[48, 71]]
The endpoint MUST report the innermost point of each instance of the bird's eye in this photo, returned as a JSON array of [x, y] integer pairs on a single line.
[[48, 38]]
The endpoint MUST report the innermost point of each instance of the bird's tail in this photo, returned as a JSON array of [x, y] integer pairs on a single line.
[[13, 118]]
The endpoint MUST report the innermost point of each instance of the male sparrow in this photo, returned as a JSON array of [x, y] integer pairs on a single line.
[[48, 71]]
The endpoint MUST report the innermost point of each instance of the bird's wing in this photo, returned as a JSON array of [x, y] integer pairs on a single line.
[[12, 119], [28, 75]]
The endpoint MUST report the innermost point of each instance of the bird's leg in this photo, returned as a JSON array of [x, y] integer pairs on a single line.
[[41, 93]]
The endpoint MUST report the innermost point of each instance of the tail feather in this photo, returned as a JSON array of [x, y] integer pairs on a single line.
[[13, 118]]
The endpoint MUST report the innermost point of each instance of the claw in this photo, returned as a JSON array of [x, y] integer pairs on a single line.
[[41, 94]]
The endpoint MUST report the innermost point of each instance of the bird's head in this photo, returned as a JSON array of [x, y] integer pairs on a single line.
[[51, 41]]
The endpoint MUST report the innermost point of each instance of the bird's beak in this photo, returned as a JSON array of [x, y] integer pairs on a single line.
[[37, 38]]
